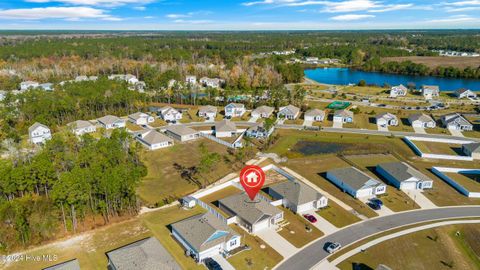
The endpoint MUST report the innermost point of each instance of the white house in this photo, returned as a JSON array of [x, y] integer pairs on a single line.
[[262, 112], [46, 87], [456, 121], [398, 90], [355, 182], [39, 133], [129, 78], [465, 93], [234, 110], [204, 236], [258, 131], [403, 176], [81, 127], [28, 85], [170, 114], [225, 128], [208, 112], [211, 82], [297, 196], [343, 116], [111, 122], [314, 115], [189, 79], [430, 91], [254, 217], [153, 139], [140, 118], [421, 120], [182, 133], [289, 112], [386, 119]]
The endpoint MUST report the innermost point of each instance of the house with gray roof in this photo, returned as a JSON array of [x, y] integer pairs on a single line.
[[430, 91], [39, 133], [140, 118], [208, 112], [81, 127], [355, 182], [386, 119], [472, 149], [263, 112], [234, 110], [182, 133], [258, 131], [399, 90], [464, 93], [456, 121], [225, 128], [28, 85], [68, 265], [205, 236], [403, 176], [297, 196], [170, 114], [314, 115], [421, 120], [153, 139], [289, 112], [146, 254], [111, 122], [343, 116], [254, 216]]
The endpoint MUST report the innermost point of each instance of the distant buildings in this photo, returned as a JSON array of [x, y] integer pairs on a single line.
[[153, 139], [27, 85], [465, 93], [39, 133], [140, 118], [386, 119], [234, 110], [191, 79], [343, 116], [421, 120], [258, 131], [208, 112], [398, 90], [456, 121], [289, 112], [111, 122], [225, 128], [430, 92], [170, 114], [81, 127], [262, 112], [314, 115], [211, 82]]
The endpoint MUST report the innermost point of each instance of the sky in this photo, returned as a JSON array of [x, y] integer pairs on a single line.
[[238, 14]]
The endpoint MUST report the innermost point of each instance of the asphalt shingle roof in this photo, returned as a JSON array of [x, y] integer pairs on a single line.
[[353, 177], [296, 192], [402, 171], [69, 265], [250, 211], [225, 126]]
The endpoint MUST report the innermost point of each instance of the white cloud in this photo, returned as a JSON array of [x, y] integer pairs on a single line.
[[392, 8], [462, 3], [67, 13], [107, 3], [351, 17], [140, 8], [192, 21], [176, 16], [462, 9], [455, 19]]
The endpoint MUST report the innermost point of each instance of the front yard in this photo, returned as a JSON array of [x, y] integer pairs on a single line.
[[296, 231]]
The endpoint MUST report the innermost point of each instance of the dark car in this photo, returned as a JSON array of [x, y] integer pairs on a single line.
[[376, 201], [310, 218], [374, 206], [211, 264]]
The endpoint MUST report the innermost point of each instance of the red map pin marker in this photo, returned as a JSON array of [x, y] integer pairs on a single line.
[[252, 179]]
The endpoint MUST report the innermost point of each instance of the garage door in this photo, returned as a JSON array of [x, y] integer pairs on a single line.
[[364, 192], [409, 185], [261, 225]]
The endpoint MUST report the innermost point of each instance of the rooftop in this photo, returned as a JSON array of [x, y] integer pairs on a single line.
[[296, 192], [353, 177], [402, 171], [251, 211]]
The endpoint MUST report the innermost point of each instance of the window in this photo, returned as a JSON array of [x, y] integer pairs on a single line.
[[233, 242]]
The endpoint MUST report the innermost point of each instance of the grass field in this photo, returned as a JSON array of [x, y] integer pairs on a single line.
[[468, 183], [435, 61], [437, 248], [295, 232], [439, 148], [336, 215]]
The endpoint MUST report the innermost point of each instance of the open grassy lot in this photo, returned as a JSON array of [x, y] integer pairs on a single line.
[[336, 215], [439, 148], [437, 248], [260, 257], [365, 90], [132, 127], [158, 123], [435, 61], [165, 166], [295, 232], [191, 115], [465, 181], [297, 121], [244, 117]]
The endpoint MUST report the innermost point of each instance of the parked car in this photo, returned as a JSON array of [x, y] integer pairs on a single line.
[[374, 206], [211, 264], [310, 218], [333, 247], [377, 201]]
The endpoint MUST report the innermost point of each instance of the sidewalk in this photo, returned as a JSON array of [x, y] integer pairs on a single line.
[[420, 199], [455, 132]]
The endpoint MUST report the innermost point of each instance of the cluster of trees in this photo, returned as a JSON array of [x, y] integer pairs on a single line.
[[66, 182]]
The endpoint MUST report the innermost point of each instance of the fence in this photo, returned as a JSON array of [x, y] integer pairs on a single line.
[[410, 142], [439, 171]]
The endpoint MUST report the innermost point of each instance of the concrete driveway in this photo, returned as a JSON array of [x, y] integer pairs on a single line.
[[337, 125], [455, 132], [383, 210], [420, 199], [322, 224], [419, 130], [253, 119], [223, 262], [307, 123], [277, 242], [382, 128]]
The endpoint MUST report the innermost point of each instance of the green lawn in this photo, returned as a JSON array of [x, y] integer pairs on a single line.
[[295, 232]]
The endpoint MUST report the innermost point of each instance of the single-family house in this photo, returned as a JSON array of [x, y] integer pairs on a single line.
[[472, 150], [111, 122], [145, 254], [208, 112], [204, 236], [430, 91], [254, 217], [140, 87], [343, 116], [170, 114], [297, 196], [28, 85], [83, 78], [129, 78], [314, 115], [182, 133], [234, 110], [421, 120], [211, 82], [262, 112], [289, 112], [3, 94], [140, 118], [398, 90], [403, 176], [456, 121], [68, 265], [81, 127], [355, 182], [189, 79], [39, 133], [258, 131], [386, 119], [153, 139], [465, 93], [225, 128], [46, 87]]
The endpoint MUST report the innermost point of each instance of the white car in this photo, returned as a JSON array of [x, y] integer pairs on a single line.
[[333, 247]]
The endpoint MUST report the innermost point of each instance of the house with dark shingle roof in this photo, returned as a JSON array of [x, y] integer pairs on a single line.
[[146, 254], [111, 122], [225, 128], [153, 139], [472, 149], [421, 120], [208, 111], [234, 110], [465, 93], [456, 121], [204, 236], [355, 182], [81, 127], [68, 265], [254, 216], [262, 112], [39, 133], [182, 133], [297, 196], [288, 112], [403, 176]]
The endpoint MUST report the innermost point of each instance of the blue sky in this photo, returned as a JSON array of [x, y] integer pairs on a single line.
[[238, 14]]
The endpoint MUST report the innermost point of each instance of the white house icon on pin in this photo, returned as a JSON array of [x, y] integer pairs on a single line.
[[252, 178]]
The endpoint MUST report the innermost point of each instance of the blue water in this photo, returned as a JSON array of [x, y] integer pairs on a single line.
[[345, 76]]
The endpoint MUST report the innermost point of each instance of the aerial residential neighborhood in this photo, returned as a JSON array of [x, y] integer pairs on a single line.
[[248, 135]]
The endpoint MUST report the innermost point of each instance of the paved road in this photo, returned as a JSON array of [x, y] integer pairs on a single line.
[[315, 253]]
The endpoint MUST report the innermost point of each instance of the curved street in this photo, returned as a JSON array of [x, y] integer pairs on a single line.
[[314, 253]]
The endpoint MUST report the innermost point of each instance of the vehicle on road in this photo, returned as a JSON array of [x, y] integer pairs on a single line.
[[310, 218], [211, 264], [333, 247]]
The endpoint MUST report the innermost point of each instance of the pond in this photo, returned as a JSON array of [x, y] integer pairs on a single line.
[[345, 76], [308, 148]]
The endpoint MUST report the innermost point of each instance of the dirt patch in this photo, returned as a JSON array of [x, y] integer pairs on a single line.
[[435, 61]]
